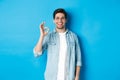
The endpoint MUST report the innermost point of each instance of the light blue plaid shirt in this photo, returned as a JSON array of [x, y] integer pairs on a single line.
[[73, 58]]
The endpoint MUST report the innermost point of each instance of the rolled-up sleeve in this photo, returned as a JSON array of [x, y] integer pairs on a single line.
[[78, 52], [36, 54]]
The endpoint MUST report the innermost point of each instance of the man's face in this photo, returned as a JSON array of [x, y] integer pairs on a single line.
[[60, 20]]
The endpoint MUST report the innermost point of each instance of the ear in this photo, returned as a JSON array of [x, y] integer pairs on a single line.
[[66, 21]]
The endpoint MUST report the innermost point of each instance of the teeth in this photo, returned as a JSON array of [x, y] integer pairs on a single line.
[[59, 23]]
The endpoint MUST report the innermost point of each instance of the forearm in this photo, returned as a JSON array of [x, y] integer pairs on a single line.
[[38, 47], [77, 72]]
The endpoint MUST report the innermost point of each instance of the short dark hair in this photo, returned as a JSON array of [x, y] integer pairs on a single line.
[[59, 10]]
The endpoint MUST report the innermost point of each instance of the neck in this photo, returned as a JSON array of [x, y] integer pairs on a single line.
[[61, 30]]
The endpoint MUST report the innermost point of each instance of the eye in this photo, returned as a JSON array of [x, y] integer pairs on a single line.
[[57, 18], [63, 18]]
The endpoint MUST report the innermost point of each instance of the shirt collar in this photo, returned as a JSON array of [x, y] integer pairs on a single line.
[[67, 30]]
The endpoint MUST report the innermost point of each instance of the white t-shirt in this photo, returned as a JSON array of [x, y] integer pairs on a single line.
[[62, 56]]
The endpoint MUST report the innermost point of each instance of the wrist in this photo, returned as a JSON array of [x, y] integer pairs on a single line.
[[77, 78]]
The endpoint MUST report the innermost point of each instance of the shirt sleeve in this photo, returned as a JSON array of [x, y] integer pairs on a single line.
[[36, 54], [78, 52]]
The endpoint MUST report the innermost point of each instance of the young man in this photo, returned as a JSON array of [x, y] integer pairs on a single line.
[[63, 56]]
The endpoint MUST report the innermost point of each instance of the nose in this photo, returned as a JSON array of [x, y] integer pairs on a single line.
[[60, 20]]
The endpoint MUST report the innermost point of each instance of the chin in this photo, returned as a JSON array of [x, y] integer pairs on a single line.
[[60, 27]]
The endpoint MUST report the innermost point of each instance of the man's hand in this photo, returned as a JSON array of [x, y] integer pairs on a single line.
[[42, 31]]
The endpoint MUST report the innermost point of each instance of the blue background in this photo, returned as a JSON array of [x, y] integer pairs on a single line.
[[96, 22]]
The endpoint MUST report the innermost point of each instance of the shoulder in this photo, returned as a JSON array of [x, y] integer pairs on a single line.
[[50, 35], [72, 34]]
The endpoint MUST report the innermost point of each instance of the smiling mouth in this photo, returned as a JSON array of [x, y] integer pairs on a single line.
[[59, 23]]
